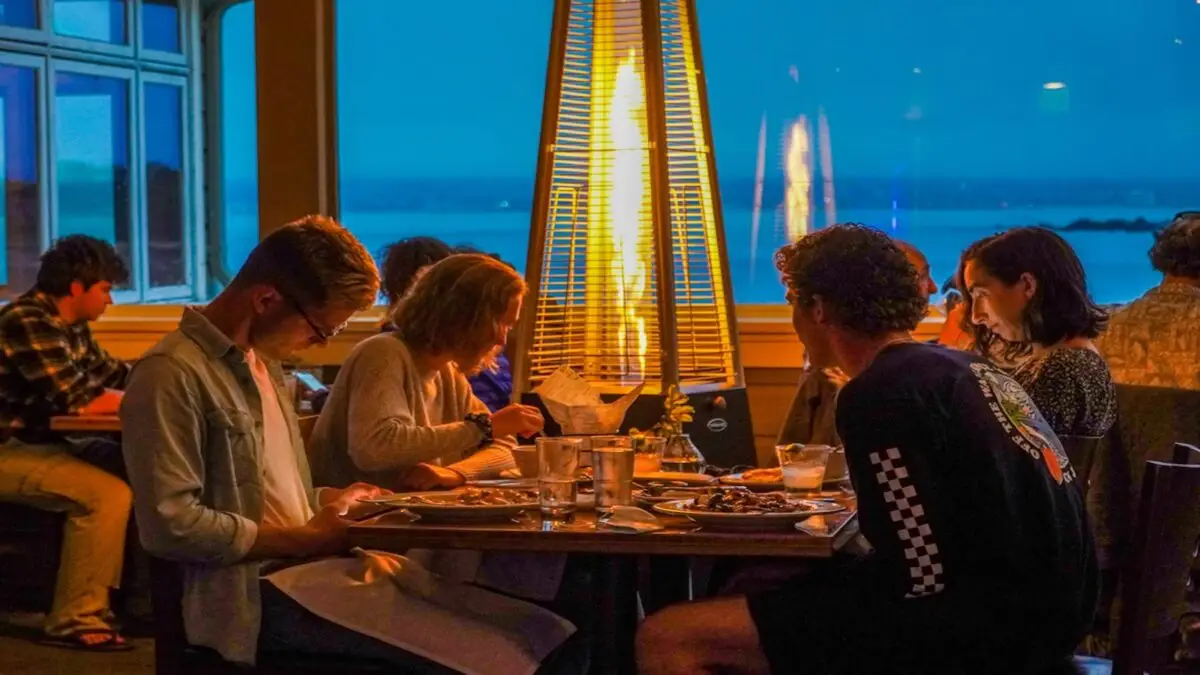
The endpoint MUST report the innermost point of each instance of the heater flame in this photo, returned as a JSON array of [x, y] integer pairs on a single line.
[[798, 172], [623, 205]]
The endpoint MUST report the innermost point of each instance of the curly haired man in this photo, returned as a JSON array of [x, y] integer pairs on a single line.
[[978, 558]]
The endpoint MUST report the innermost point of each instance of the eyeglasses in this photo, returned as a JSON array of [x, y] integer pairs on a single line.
[[320, 333]]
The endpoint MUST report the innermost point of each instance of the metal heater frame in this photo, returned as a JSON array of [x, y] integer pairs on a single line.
[[710, 401]]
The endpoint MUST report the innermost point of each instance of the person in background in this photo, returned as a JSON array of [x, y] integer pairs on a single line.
[[493, 383], [1155, 340], [1027, 287], [51, 365], [981, 560], [402, 261], [402, 412]]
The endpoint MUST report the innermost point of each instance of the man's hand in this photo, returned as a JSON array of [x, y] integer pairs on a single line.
[[327, 533], [108, 403], [431, 477], [347, 498], [517, 420]]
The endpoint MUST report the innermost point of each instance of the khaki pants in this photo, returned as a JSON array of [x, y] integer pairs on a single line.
[[97, 506]]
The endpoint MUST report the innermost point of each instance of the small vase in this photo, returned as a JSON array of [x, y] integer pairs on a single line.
[[682, 455]]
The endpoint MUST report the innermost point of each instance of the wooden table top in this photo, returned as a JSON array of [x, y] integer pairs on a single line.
[[108, 423], [397, 532]]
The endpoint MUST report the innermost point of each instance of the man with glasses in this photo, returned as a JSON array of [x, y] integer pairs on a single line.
[[212, 446], [1153, 340]]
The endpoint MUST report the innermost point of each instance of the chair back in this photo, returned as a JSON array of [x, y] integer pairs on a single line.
[[1082, 451], [1186, 454], [1164, 552], [166, 596]]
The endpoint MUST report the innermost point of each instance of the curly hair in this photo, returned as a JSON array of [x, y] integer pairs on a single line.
[[316, 262], [81, 258], [862, 277], [1176, 249], [403, 259], [1060, 308], [456, 305]]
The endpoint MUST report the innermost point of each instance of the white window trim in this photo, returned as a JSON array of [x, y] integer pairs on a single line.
[[186, 44]]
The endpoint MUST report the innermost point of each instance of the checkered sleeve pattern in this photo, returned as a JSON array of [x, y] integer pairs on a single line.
[[912, 526], [55, 364]]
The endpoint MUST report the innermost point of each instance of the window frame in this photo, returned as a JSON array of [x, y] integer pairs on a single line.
[[49, 53]]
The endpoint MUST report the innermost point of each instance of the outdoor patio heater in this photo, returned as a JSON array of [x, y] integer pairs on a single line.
[[627, 269]]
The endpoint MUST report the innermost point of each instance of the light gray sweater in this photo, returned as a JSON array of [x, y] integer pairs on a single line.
[[387, 413]]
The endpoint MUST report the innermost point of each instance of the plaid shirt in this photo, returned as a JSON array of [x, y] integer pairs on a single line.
[[47, 368]]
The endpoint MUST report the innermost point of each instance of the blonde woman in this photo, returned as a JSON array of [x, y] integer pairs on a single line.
[[402, 411]]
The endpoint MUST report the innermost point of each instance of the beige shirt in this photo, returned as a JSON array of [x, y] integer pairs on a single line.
[[387, 413], [285, 501], [1154, 340]]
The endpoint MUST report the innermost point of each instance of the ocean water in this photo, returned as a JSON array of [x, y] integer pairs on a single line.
[[1116, 262]]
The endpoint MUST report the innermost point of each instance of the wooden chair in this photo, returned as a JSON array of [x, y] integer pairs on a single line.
[[1082, 451], [1165, 547], [174, 656]]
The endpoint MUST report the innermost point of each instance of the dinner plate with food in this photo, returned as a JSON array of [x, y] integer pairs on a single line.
[[738, 508], [673, 479], [768, 480], [468, 505]]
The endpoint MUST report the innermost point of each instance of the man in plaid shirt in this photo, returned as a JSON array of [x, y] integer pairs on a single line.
[[51, 365]]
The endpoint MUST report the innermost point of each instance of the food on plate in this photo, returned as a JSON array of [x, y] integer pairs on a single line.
[[741, 500], [477, 497], [772, 475]]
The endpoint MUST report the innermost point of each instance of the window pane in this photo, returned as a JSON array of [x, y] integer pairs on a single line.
[[448, 147], [20, 219], [164, 184], [160, 25], [239, 142], [91, 126], [19, 13], [102, 20], [945, 122]]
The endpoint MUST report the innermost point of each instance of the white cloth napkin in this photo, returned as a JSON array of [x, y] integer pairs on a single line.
[[631, 519], [395, 600]]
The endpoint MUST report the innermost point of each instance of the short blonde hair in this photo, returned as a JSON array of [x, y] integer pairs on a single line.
[[316, 262], [456, 304]]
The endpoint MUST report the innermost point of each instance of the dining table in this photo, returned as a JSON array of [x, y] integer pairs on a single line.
[[86, 423], [614, 553]]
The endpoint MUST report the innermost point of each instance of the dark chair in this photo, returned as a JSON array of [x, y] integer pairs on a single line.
[[30, 544], [174, 656], [1157, 583], [1082, 451]]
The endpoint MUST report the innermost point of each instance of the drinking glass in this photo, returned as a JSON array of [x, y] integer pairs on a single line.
[[803, 467], [558, 461], [612, 462], [648, 454]]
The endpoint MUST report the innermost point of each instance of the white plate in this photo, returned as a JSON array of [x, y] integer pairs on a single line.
[[691, 479], [748, 521], [736, 480], [446, 510]]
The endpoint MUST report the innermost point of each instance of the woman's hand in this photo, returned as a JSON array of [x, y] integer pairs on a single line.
[[517, 420], [431, 477]]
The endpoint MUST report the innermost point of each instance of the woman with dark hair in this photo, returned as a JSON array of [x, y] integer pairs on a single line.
[[1026, 289], [402, 260]]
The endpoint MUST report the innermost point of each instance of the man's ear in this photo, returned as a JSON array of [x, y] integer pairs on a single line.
[[76, 289], [817, 310]]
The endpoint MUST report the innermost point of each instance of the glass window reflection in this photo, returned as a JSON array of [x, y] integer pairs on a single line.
[[164, 184], [100, 20], [20, 217], [160, 25], [91, 149], [19, 13]]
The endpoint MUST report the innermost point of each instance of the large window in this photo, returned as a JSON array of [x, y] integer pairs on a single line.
[[938, 122], [233, 185], [96, 108]]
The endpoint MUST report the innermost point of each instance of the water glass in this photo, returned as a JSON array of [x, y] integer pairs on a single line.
[[648, 454], [612, 464], [803, 467], [558, 461]]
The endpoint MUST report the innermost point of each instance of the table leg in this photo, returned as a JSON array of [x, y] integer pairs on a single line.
[[616, 615]]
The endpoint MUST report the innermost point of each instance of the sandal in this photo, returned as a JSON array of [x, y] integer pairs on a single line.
[[114, 641]]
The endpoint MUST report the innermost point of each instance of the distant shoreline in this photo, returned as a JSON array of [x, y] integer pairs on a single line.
[[1111, 225]]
